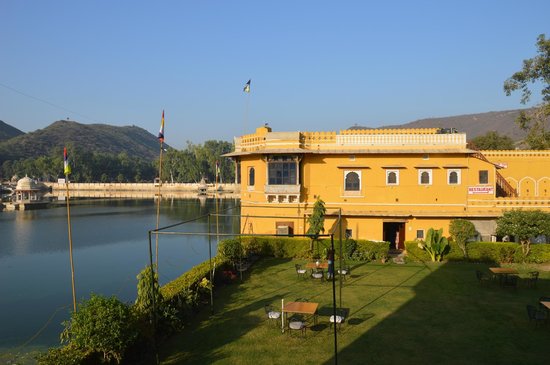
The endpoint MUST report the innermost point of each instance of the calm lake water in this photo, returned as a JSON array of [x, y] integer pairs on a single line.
[[110, 247]]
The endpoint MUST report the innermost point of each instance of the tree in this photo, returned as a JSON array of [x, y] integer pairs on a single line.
[[536, 69], [461, 231], [524, 225], [316, 221], [492, 140]]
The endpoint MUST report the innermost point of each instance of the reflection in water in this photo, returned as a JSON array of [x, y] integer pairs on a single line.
[[110, 244]]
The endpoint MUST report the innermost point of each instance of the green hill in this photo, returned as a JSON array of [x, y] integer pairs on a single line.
[[135, 141], [7, 131]]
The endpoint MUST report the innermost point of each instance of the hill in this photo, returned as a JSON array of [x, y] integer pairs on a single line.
[[135, 141], [7, 131], [472, 124]]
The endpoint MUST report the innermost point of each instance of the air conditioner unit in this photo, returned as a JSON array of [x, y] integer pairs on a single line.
[[284, 230]]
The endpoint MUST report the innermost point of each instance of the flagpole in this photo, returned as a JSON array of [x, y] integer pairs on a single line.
[[159, 196], [69, 229], [247, 107], [246, 113]]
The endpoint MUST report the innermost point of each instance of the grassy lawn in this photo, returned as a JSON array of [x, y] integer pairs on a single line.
[[398, 314]]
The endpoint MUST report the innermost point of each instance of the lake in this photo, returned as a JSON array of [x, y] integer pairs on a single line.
[[110, 248]]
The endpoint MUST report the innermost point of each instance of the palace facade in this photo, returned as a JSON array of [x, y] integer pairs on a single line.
[[385, 184]]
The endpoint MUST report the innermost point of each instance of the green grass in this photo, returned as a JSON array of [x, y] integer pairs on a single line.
[[398, 314]]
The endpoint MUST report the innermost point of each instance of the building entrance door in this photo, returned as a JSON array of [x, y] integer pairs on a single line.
[[394, 233]]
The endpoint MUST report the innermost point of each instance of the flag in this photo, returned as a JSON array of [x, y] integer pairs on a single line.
[[66, 166], [217, 167], [161, 131], [247, 87]]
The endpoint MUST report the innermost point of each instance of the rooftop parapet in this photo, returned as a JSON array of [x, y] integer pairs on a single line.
[[372, 139]]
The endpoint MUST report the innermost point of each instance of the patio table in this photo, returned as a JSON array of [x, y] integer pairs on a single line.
[[546, 304], [503, 272], [302, 308], [313, 265]]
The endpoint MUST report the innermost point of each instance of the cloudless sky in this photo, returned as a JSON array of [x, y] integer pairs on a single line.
[[315, 65]]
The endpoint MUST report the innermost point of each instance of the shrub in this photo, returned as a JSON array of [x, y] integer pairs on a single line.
[[65, 355], [436, 245], [231, 249], [101, 325], [185, 292], [370, 250], [165, 314], [461, 231]]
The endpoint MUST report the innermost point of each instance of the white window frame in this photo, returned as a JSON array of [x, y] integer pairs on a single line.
[[358, 172], [458, 176], [430, 174], [396, 177]]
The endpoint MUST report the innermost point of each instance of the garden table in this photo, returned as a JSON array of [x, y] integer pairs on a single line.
[[503, 272], [313, 265], [546, 304], [302, 308]]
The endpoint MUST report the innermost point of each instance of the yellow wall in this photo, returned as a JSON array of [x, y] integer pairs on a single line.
[[325, 158]]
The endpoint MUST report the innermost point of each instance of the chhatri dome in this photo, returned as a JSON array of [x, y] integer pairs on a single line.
[[27, 184]]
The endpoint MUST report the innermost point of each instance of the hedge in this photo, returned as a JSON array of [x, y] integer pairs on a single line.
[[501, 252], [186, 290]]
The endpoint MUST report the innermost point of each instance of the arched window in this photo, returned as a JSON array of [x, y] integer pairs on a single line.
[[425, 177], [453, 177], [353, 183], [251, 177], [392, 177]]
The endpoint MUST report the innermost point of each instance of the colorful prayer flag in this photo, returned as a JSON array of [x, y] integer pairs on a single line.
[[66, 166], [161, 132], [247, 87]]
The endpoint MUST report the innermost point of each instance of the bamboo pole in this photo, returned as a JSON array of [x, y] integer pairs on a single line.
[[159, 197], [70, 241]]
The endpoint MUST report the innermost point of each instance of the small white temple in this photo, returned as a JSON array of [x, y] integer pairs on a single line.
[[28, 194]]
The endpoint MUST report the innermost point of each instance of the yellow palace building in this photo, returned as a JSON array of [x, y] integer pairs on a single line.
[[386, 184]]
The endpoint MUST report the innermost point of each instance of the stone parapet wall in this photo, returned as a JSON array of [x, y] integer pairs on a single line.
[[144, 187]]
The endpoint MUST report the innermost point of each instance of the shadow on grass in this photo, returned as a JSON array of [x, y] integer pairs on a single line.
[[227, 327], [450, 319]]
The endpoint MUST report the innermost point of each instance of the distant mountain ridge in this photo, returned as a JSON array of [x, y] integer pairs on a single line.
[[472, 124], [7, 131], [135, 141]]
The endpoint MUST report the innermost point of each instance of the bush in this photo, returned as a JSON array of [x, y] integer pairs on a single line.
[[370, 250], [101, 325], [65, 355], [231, 250], [185, 292], [165, 314], [496, 252]]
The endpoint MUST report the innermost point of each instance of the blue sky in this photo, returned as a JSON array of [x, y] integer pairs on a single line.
[[314, 65]]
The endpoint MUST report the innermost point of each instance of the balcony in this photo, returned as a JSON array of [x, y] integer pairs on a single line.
[[282, 193]]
